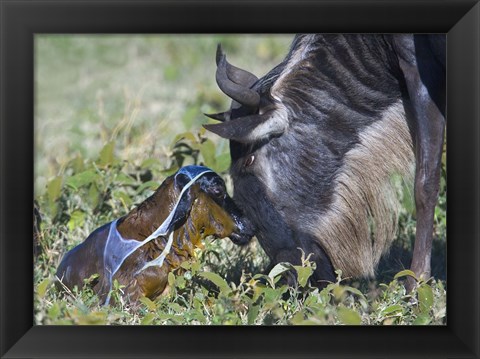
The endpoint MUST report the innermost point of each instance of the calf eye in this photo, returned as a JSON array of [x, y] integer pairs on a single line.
[[249, 160]]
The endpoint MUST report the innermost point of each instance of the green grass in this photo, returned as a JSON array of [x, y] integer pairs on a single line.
[[115, 115]]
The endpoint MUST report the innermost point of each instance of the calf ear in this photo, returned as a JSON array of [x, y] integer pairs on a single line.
[[252, 128]]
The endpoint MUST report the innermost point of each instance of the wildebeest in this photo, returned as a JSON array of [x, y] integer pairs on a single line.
[[141, 248], [315, 142]]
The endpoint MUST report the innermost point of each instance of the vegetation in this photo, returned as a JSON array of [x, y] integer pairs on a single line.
[[114, 116]]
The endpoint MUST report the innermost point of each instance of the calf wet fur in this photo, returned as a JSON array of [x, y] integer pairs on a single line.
[[189, 209]]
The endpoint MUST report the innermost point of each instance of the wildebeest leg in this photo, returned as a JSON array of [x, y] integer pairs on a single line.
[[323, 273], [429, 127]]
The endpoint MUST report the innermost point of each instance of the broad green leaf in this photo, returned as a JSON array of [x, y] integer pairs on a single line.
[[54, 311], [124, 179], [280, 268], [149, 163], [404, 273], [176, 307], [106, 156], [253, 314], [54, 188], [180, 282], [94, 318], [217, 280], [222, 162], [186, 265], [81, 179], [422, 319], [408, 200], [148, 303], [77, 164], [93, 195], [123, 197], [207, 149], [349, 316], [42, 287], [425, 298], [77, 219], [303, 274], [151, 185], [392, 309], [171, 279], [148, 319], [188, 136]]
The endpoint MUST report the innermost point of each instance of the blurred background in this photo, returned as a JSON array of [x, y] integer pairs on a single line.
[[140, 91]]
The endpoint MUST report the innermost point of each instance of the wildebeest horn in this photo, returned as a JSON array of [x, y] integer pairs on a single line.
[[250, 128], [237, 75], [217, 116], [240, 93]]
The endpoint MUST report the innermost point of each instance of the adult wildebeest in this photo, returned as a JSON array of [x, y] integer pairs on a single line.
[[314, 144], [141, 248]]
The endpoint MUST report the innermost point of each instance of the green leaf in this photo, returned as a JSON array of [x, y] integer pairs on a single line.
[[207, 149], [392, 309], [188, 136], [422, 319], [151, 185], [217, 280], [106, 156], [425, 298], [81, 179], [42, 287], [171, 279], [253, 314], [349, 316], [77, 164], [148, 303], [303, 274], [122, 197], [77, 219], [124, 179], [280, 268], [54, 188], [93, 195], [180, 282], [148, 319], [149, 163], [222, 162], [404, 273]]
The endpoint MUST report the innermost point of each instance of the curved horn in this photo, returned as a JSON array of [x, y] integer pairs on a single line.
[[237, 75], [222, 116], [239, 93]]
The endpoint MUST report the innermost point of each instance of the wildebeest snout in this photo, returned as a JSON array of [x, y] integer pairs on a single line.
[[243, 229]]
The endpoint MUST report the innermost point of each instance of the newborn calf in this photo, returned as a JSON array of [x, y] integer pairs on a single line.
[[141, 248]]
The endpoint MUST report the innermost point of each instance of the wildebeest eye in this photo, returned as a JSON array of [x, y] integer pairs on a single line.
[[249, 160]]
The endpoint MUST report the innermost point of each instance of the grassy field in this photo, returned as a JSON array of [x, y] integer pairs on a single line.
[[115, 115]]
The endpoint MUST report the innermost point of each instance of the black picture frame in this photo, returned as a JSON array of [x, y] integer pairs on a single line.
[[20, 20]]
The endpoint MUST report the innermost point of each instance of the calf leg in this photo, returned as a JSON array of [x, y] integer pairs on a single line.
[[429, 128]]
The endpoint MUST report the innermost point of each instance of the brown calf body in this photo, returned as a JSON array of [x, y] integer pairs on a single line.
[[209, 211]]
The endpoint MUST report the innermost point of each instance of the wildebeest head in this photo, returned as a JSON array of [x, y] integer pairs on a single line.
[[141, 248], [314, 144]]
